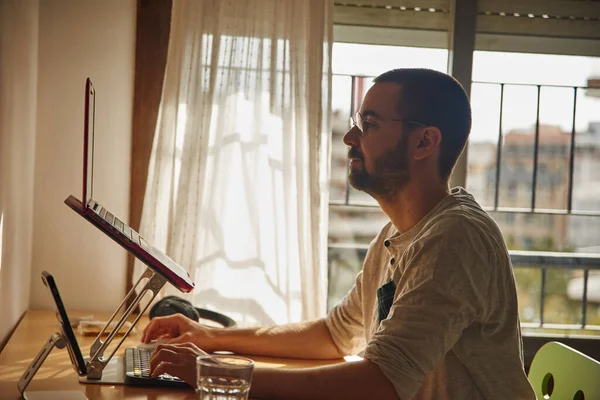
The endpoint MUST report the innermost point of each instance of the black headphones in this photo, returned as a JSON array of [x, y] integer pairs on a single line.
[[177, 305]]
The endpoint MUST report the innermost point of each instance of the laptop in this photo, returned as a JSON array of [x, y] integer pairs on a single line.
[[136, 366], [136, 361], [109, 223]]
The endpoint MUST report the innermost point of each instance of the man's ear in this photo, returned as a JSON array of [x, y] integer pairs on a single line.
[[429, 141]]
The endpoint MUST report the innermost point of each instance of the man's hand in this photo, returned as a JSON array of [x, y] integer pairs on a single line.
[[176, 360], [178, 329]]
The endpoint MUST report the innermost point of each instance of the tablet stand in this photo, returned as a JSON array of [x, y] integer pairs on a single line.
[[56, 340], [97, 362]]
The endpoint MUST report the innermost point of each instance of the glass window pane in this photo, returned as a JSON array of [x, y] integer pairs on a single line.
[[355, 225], [340, 123], [534, 232], [584, 234], [483, 142], [586, 176], [344, 265], [559, 307], [492, 66], [556, 120], [528, 291], [341, 95], [372, 60], [518, 130]]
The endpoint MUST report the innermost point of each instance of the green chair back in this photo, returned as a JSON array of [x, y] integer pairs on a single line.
[[559, 372]]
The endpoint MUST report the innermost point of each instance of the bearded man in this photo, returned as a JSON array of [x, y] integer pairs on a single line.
[[434, 310]]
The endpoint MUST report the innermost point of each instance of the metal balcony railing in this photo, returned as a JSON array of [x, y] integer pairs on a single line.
[[565, 261], [533, 209]]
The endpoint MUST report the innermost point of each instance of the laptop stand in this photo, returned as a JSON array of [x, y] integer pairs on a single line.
[[97, 362]]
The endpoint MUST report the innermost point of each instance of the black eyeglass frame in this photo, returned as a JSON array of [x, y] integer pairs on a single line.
[[357, 119]]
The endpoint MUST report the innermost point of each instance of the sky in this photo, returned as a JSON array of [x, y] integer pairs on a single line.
[[556, 104]]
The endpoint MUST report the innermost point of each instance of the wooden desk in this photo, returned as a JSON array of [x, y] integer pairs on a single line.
[[57, 373]]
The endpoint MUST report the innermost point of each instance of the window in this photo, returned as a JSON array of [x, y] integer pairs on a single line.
[[506, 91], [548, 206]]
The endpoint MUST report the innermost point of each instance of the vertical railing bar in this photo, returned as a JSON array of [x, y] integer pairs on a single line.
[[499, 149], [352, 106], [586, 274], [572, 155], [536, 148], [542, 296]]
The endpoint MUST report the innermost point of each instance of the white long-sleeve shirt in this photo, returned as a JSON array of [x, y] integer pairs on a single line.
[[453, 330]]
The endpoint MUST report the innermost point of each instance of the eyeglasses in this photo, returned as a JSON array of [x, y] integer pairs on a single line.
[[359, 122]]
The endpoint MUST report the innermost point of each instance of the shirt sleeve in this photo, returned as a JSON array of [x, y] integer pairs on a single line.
[[440, 292], [345, 321]]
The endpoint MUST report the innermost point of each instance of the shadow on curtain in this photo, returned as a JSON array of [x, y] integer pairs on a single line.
[[237, 181]]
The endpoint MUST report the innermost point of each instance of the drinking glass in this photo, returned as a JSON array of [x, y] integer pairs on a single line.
[[223, 377]]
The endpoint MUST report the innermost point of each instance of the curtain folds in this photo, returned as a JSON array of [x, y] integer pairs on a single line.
[[237, 188]]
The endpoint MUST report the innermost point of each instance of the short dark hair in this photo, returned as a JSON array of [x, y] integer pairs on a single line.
[[435, 99]]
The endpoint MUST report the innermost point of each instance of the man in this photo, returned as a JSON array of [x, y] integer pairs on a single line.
[[434, 310]]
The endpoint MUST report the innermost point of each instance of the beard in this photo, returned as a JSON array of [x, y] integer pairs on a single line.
[[390, 172]]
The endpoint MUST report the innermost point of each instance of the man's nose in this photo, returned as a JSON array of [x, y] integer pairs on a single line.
[[352, 137]]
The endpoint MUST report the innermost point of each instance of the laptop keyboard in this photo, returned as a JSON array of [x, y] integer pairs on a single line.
[[132, 235], [137, 370], [119, 225], [109, 218]]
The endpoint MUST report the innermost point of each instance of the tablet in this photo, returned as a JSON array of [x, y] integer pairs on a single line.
[[67, 331]]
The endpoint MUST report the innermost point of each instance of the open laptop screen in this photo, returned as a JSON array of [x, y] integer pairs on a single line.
[[88, 141]]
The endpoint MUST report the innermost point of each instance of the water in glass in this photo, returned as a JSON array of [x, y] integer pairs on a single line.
[[222, 388]]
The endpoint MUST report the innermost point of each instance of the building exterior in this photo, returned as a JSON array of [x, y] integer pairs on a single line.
[[543, 230]]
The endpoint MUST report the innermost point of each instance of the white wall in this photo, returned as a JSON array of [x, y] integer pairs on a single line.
[[18, 86], [77, 39]]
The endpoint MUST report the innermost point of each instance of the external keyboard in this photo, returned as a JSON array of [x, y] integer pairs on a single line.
[[137, 370]]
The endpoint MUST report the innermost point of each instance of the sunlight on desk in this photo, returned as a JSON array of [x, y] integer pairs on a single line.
[[260, 364], [56, 376], [11, 373], [353, 358]]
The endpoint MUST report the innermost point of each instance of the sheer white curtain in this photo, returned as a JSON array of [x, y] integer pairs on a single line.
[[237, 189]]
